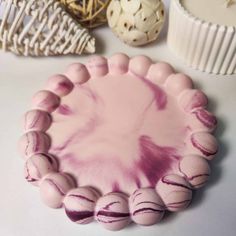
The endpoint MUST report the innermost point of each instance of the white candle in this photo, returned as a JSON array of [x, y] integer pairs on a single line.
[[199, 43], [214, 11]]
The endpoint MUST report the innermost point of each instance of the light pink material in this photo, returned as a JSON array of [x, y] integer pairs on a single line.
[[159, 72], [118, 64], [195, 169], [112, 211], [191, 100], [53, 189], [36, 120], [140, 65], [60, 85], [146, 207], [175, 192], [80, 204], [45, 100], [33, 142], [97, 66], [176, 83], [37, 166], [202, 120], [77, 73], [204, 144]]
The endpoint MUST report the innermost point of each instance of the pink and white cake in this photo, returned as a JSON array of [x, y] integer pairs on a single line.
[[118, 140]]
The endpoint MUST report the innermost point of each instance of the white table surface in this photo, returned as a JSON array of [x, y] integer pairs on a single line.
[[213, 210]]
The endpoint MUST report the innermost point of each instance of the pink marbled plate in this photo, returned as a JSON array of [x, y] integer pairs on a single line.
[[118, 140]]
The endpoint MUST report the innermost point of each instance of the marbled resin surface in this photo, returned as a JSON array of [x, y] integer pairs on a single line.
[[105, 125], [118, 139]]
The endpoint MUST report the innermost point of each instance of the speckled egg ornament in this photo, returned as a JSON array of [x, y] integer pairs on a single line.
[[136, 22]]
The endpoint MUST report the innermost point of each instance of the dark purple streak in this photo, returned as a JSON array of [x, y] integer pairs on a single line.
[[177, 204], [112, 214], [201, 148], [81, 197], [110, 204], [155, 161], [196, 176], [51, 182], [154, 203], [147, 209], [28, 177], [206, 118], [79, 215], [34, 121], [166, 181], [136, 195]]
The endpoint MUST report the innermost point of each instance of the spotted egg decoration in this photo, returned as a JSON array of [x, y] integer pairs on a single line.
[[136, 22]]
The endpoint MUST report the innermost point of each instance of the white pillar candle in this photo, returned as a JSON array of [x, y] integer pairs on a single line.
[[203, 34], [214, 11]]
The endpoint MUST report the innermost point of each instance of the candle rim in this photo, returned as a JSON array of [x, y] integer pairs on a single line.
[[203, 21]]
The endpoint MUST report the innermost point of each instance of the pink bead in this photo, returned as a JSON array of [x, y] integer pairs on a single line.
[[60, 85], [53, 189], [46, 101], [37, 166], [146, 207], [202, 120], [175, 192], [118, 64], [192, 99], [195, 169], [159, 72], [37, 120], [204, 144], [80, 204], [140, 65], [77, 73], [33, 142], [176, 83], [97, 66], [112, 211]]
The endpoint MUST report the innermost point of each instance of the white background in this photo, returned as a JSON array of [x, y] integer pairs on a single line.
[[213, 210]]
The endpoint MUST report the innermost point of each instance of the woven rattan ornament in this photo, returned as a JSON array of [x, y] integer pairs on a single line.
[[230, 2], [136, 22], [41, 28], [89, 13]]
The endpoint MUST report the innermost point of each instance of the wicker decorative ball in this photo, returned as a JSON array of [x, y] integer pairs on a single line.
[[89, 13], [136, 22]]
